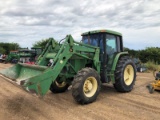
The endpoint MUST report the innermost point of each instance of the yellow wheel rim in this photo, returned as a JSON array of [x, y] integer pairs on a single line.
[[60, 84], [90, 86], [128, 75]]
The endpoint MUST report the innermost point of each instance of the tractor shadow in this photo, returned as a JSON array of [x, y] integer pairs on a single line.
[[108, 89]]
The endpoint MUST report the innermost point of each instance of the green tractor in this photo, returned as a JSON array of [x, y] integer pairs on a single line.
[[13, 57], [23, 55], [99, 58]]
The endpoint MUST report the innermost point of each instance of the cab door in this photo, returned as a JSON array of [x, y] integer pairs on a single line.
[[111, 45], [111, 49]]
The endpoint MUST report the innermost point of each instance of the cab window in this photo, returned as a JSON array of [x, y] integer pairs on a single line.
[[111, 44]]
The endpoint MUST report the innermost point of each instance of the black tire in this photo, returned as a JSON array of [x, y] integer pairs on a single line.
[[58, 87], [150, 88], [125, 75], [86, 86]]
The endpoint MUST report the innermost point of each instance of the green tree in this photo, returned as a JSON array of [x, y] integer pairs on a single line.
[[133, 53], [42, 43], [143, 56], [153, 54], [148, 54], [2, 50], [7, 47]]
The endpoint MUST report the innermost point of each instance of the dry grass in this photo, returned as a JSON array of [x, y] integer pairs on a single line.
[[152, 66]]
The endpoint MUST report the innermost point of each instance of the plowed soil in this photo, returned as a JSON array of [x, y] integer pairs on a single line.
[[139, 104]]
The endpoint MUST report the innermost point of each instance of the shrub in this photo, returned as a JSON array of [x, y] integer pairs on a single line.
[[152, 65]]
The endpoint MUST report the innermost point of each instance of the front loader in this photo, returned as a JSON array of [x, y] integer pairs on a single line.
[[99, 58]]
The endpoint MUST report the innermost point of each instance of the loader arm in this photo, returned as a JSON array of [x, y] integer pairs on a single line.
[[41, 77], [50, 46]]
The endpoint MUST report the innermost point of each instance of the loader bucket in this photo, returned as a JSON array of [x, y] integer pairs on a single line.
[[33, 78]]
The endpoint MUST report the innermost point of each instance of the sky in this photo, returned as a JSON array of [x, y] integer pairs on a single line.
[[28, 21]]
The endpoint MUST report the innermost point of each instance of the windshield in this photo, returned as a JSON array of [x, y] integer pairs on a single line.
[[92, 39]]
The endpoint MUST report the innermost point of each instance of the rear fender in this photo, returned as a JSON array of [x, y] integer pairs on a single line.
[[115, 61]]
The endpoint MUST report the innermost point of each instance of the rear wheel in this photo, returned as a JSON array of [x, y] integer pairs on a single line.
[[125, 75], [58, 87], [86, 86]]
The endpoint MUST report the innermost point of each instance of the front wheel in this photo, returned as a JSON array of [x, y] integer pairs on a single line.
[[125, 75], [86, 86], [59, 87]]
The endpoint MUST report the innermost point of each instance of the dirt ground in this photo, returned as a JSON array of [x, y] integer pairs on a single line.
[[139, 104]]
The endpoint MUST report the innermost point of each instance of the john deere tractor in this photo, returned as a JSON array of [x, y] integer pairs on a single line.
[[23, 55], [13, 56], [99, 58]]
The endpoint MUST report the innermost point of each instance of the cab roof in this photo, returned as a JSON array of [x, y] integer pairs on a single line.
[[102, 31]]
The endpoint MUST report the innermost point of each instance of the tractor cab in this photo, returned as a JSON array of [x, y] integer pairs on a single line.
[[110, 44]]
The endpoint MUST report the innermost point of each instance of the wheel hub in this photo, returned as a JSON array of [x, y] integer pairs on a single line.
[[62, 84], [128, 74], [88, 86]]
